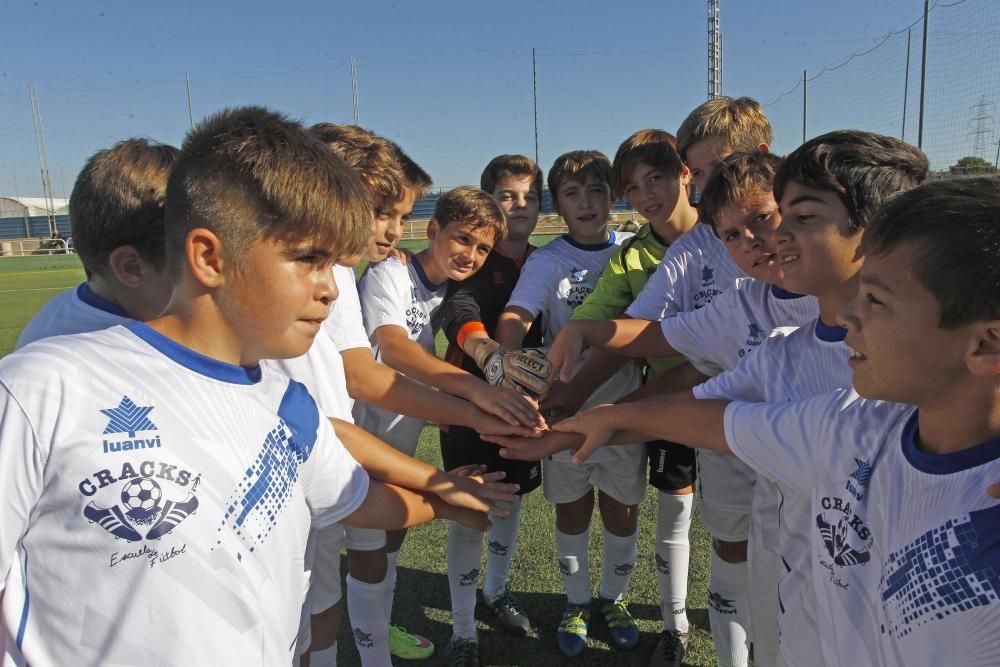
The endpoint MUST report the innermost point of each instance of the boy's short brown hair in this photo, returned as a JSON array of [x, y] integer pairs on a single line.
[[864, 169], [657, 148], [470, 205], [249, 173], [372, 156], [740, 177], [415, 178], [511, 166], [578, 166], [739, 122], [117, 200]]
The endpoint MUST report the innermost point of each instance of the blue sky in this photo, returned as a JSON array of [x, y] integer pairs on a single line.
[[451, 81]]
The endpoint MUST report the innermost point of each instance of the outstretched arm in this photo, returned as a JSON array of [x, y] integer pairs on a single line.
[[387, 464], [636, 339], [389, 507], [678, 418], [410, 358], [369, 381]]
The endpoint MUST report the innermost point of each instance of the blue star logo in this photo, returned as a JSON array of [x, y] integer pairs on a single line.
[[128, 418], [863, 473], [756, 331], [577, 275], [707, 275]]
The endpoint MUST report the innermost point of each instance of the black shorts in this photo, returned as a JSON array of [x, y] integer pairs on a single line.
[[671, 466], [461, 446]]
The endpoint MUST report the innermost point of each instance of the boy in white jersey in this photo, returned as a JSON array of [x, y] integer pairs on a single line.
[[400, 303], [695, 270], [902, 538], [555, 279], [394, 182], [215, 466], [116, 220], [829, 188]]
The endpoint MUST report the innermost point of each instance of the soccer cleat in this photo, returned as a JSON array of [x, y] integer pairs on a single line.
[[622, 627], [670, 649], [509, 612], [572, 633], [407, 646], [462, 652]]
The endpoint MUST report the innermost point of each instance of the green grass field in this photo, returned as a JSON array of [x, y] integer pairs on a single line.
[[422, 590]]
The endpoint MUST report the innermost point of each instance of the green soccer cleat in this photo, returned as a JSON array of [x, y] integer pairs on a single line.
[[407, 646], [572, 633]]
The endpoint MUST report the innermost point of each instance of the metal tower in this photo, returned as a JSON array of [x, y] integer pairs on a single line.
[[714, 51], [982, 122]]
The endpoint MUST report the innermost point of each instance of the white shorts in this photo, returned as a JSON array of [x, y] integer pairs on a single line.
[[624, 480], [726, 488], [363, 539], [400, 431], [322, 560]]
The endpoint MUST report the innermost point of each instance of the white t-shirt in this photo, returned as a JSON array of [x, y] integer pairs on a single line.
[[321, 369], [556, 279], [695, 270], [74, 311], [904, 545], [397, 294], [157, 503], [737, 321], [792, 364]]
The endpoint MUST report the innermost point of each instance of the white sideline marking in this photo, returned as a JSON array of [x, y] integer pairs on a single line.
[[36, 289]]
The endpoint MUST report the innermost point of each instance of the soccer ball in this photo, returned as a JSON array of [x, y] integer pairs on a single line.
[[142, 497]]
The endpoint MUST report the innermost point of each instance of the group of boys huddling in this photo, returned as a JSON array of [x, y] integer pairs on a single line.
[[190, 438]]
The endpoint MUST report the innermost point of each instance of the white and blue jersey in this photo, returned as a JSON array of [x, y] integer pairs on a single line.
[[74, 311], [157, 503], [792, 364], [904, 547], [400, 295], [695, 270], [556, 279]]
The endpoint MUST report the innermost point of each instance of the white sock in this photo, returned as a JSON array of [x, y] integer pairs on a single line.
[[572, 552], [728, 611], [673, 553], [366, 610], [619, 561], [390, 579], [464, 550], [325, 658], [500, 542]]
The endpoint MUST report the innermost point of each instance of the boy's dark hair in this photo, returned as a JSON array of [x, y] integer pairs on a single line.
[[117, 200], [416, 178], [578, 166], [740, 177], [865, 169], [955, 226], [248, 174], [656, 148], [511, 166], [740, 123], [473, 206]]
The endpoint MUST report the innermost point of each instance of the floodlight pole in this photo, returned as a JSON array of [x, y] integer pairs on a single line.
[[805, 102], [43, 159], [923, 79], [534, 97], [187, 84], [906, 83], [354, 91]]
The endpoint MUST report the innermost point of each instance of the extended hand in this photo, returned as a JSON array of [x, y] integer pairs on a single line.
[[508, 404], [534, 449], [473, 488], [596, 425], [524, 369], [565, 351]]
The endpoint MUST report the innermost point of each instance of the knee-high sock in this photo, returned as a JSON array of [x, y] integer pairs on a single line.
[[728, 612], [673, 553], [366, 609], [619, 561], [501, 541], [392, 558], [464, 548], [325, 658], [573, 551]]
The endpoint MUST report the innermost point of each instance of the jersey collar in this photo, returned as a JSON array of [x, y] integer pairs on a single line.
[[829, 334], [779, 293], [195, 361], [592, 246], [423, 276], [945, 464], [87, 295]]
